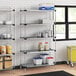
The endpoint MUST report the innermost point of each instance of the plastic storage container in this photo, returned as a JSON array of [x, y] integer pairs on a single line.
[[46, 46], [50, 60], [44, 56], [8, 49], [3, 49], [40, 46], [37, 60]]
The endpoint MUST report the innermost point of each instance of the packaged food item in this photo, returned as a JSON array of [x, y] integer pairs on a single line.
[[3, 49], [8, 49], [40, 46], [46, 46]]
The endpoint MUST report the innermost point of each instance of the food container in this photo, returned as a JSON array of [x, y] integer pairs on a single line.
[[50, 60], [8, 64], [37, 60], [1, 65], [39, 34], [4, 35], [1, 59], [44, 56], [46, 46], [8, 49], [3, 49], [45, 34], [40, 46], [8, 36], [9, 58]]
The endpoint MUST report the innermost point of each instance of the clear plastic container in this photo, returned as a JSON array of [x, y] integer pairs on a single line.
[[44, 56], [50, 60], [40, 46], [3, 49], [37, 60], [46, 46], [8, 49]]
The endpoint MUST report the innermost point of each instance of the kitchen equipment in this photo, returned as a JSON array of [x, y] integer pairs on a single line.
[[37, 60], [44, 56], [50, 60]]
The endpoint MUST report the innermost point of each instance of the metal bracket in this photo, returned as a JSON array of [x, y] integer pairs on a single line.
[[25, 38], [13, 53], [25, 52], [13, 24], [13, 10], [55, 50]]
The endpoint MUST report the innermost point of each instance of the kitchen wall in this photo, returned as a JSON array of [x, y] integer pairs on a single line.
[[61, 46]]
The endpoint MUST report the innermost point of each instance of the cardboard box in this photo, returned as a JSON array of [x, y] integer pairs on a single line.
[[8, 64]]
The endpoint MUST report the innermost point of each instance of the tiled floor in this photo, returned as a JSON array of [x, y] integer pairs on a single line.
[[19, 72]]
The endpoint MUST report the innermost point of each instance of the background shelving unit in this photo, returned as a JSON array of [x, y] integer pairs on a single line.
[[7, 35], [27, 20]]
